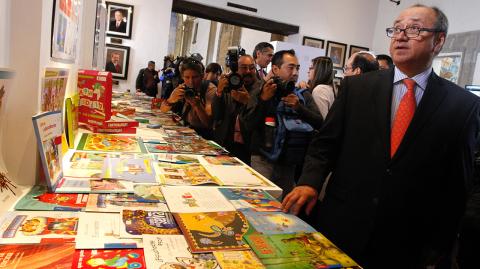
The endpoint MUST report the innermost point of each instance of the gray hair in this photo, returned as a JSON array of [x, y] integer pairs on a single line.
[[441, 24]]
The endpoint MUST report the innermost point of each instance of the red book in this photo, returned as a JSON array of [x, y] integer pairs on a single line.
[[95, 92], [42, 256], [108, 258]]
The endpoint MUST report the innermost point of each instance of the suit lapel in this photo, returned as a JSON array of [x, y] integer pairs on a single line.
[[431, 100], [382, 96]]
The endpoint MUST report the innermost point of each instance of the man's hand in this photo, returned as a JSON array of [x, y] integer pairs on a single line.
[[300, 195], [241, 95], [177, 94], [268, 90], [292, 101], [222, 83]]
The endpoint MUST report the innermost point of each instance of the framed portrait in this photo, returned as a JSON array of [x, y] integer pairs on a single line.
[[65, 26], [337, 52], [313, 42], [355, 49], [116, 60], [448, 65], [120, 19]]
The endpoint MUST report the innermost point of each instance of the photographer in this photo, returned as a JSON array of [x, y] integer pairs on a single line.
[[192, 99], [295, 118], [229, 105]]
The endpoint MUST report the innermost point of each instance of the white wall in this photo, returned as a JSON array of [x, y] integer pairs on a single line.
[[201, 46], [462, 16], [151, 25], [4, 32], [250, 38]]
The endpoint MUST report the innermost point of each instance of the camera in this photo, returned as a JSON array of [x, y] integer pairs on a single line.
[[284, 88], [235, 80], [189, 92]]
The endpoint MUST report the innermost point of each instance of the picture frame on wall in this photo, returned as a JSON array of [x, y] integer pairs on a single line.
[[448, 65], [313, 42], [354, 49], [337, 52], [120, 20], [65, 30], [117, 60]]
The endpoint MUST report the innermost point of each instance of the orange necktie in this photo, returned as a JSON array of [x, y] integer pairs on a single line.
[[404, 116]]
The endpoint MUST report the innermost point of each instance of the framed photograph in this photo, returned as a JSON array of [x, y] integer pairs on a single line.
[[120, 19], [355, 49], [116, 60], [337, 52], [65, 25], [313, 42], [447, 65]]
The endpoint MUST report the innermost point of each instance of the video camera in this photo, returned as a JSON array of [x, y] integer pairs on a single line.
[[235, 80], [284, 88]]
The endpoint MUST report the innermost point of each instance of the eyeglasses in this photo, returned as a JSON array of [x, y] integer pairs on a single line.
[[410, 32]]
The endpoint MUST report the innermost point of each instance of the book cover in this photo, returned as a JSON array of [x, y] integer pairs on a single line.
[[108, 258], [48, 132], [134, 223], [38, 256], [54, 84], [276, 223], [107, 185], [116, 202], [213, 231], [95, 96], [71, 119], [110, 130], [159, 148], [239, 176], [38, 198], [189, 199], [244, 259], [251, 199], [107, 142], [176, 158], [222, 160], [171, 251], [135, 170], [300, 250], [93, 185], [120, 122], [185, 174], [20, 227], [151, 193]]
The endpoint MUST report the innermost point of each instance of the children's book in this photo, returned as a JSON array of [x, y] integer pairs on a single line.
[[108, 142], [171, 251], [251, 199], [101, 230], [241, 176], [95, 92], [38, 198], [48, 131], [186, 199], [213, 231], [110, 130], [221, 160], [276, 223], [108, 185], [20, 227], [54, 84], [93, 185], [176, 158], [244, 259], [108, 258], [116, 202], [300, 250], [135, 170], [185, 174], [39, 256], [71, 119], [134, 223], [151, 193]]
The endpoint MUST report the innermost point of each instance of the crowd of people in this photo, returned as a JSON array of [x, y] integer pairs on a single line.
[[382, 165]]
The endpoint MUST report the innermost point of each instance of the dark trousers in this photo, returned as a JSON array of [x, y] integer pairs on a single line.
[[241, 151]]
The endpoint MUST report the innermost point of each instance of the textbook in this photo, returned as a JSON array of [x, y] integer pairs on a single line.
[[38, 198]]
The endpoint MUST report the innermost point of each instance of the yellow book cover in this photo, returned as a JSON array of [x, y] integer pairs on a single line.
[[238, 260]]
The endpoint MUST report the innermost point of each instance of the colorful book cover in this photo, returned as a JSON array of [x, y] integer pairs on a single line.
[[152, 193], [101, 230], [38, 256], [110, 185], [251, 199], [95, 160], [117, 122], [38, 198], [109, 130], [159, 148], [222, 160], [239, 176], [185, 174], [135, 170], [171, 251], [189, 199], [116, 202], [54, 85], [137, 222], [213, 231], [276, 223], [108, 258], [71, 119], [176, 158], [48, 131], [244, 259], [301, 250], [31, 226], [107, 142], [95, 93]]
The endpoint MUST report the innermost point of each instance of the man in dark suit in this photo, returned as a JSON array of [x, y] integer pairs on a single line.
[[114, 64], [118, 25], [399, 144]]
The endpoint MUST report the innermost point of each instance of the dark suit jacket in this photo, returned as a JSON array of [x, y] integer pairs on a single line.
[[121, 28], [404, 210], [111, 67]]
